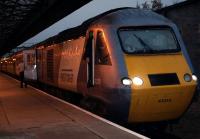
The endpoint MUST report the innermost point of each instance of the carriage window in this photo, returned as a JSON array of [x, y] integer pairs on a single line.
[[50, 65], [102, 56], [148, 40], [30, 59]]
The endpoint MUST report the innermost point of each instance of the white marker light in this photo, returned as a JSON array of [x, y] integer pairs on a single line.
[[194, 77], [126, 81], [137, 81], [187, 77]]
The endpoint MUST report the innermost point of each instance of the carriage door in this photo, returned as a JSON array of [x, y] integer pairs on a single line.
[[30, 71]]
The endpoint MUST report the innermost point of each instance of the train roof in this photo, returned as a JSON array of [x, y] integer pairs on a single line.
[[132, 17], [125, 16]]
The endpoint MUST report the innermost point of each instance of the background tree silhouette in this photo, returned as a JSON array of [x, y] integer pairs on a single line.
[[156, 4]]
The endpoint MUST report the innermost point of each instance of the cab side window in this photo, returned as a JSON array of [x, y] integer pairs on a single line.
[[102, 56]]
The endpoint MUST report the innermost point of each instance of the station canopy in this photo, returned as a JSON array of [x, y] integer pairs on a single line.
[[22, 19]]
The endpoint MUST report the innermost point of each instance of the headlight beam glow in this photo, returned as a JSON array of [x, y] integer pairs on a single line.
[[137, 81]]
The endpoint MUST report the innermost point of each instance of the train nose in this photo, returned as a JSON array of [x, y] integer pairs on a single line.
[[161, 88], [160, 103]]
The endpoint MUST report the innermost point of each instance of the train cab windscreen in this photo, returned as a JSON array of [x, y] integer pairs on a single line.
[[150, 40]]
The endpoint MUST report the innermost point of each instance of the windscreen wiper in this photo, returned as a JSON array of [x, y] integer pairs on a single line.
[[146, 46]]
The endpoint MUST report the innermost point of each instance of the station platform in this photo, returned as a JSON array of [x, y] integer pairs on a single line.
[[28, 113]]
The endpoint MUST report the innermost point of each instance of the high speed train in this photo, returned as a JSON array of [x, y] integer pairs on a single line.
[[130, 64]]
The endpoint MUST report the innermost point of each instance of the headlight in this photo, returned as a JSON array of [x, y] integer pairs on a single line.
[[126, 81], [194, 77], [187, 77], [137, 81]]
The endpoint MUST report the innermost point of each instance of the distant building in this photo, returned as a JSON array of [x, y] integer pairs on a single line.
[[186, 15]]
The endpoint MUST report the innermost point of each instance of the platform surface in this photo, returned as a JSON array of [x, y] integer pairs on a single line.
[[26, 113]]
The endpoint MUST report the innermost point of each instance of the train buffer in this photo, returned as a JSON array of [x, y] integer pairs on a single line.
[[29, 113]]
